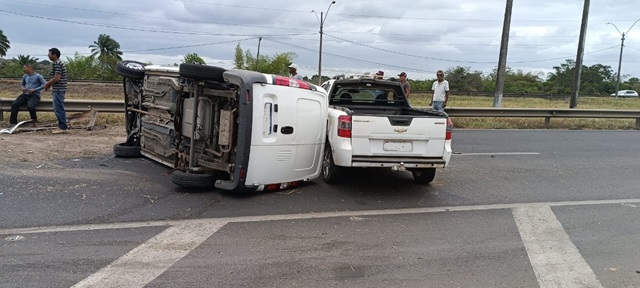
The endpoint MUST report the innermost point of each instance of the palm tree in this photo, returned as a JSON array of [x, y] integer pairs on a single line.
[[24, 60], [4, 44], [107, 51]]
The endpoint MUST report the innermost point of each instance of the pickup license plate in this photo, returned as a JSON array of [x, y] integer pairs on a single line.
[[398, 146]]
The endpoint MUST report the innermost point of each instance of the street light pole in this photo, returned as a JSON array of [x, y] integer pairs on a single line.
[[623, 34], [323, 17]]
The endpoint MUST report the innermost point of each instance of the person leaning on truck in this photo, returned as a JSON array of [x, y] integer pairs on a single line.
[[406, 87], [440, 92], [32, 84]]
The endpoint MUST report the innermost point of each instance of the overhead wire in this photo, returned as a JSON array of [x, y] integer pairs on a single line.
[[122, 27], [155, 17]]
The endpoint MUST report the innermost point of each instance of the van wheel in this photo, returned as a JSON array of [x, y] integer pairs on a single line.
[[192, 180], [123, 151], [424, 176], [130, 69], [330, 172], [201, 72]]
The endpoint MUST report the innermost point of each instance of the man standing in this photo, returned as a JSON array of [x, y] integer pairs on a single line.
[[32, 84], [406, 87], [293, 70], [440, 92], [58, 83]]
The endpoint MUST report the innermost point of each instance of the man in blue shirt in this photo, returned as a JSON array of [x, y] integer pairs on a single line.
[[32, 84]]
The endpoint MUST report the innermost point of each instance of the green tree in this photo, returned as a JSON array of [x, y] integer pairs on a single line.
[[463, 79], [193, 58], [4, 44], [82, 67], [277, 64], [22, 60], [238, 61], [107, 51]]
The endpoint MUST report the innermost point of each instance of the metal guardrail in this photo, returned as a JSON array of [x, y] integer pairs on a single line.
[[70, 105], [117, 106], [546, 113]]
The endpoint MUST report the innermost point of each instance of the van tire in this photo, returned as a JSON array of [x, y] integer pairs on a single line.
[[201, 72], [130, 69], [193, 180], [423, 176], [330, 172], [121, 150]]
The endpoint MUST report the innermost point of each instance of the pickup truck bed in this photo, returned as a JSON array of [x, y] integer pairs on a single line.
[[374, 126]]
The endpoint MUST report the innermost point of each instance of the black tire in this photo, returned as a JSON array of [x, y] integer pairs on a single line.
[[123, 151], [193, 180], [330, 172], [130, 69], [424, 175], [201, 72]]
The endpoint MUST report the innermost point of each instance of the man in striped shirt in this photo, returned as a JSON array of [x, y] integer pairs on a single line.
[[58, 83]]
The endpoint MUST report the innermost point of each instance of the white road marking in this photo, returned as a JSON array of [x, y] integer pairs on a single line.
[[360, 213], [555, 260], [147, 261], [497, 153]]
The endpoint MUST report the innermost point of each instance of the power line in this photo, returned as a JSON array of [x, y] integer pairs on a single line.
[[459, 61], [350, 58], [368, 16], [122, 27], [156, 17]]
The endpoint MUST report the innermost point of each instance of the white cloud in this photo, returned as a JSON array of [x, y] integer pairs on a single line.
[[380, 35]]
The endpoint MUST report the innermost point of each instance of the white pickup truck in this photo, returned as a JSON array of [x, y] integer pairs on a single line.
[[370, 124]]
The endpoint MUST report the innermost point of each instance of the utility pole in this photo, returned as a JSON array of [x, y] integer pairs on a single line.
[[621, 47], [575, 88], [323, 17], [258, 54], [502, 61]]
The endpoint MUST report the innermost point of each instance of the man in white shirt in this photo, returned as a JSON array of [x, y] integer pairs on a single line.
[[440, 92], [293, 70]]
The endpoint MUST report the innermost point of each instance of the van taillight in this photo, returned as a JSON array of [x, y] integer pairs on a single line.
[[344, 126], [449, 129], [285, 81]]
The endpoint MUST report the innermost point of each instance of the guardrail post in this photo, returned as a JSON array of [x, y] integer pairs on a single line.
[[547, 122], [637, 124]]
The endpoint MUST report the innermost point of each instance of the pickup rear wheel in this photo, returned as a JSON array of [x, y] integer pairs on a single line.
[[424, 175], [330, 172]]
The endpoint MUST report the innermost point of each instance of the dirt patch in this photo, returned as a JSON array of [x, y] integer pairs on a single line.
[[42, 146]]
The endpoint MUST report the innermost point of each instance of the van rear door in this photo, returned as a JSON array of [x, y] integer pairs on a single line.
[[288, 134]]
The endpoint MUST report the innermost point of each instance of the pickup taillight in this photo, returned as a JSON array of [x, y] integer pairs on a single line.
[[449, 129], [344, 126]]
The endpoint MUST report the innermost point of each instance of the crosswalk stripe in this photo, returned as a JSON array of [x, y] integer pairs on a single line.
[[555, 259], [147, 261]]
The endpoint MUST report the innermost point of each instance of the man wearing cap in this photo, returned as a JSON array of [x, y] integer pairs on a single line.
[[406, 87], [293, 70], [379, 75]]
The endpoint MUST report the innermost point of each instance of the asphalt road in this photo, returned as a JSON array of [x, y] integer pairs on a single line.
[[514, 209]]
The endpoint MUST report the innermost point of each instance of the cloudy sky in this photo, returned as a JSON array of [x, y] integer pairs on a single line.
[[419, 36]]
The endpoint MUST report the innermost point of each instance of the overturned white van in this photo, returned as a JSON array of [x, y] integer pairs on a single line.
[[230, 129]]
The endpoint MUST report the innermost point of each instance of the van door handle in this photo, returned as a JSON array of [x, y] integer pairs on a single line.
[[286, 130]]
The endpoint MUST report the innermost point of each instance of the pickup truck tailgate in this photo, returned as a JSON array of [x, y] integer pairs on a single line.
[[410, 136]]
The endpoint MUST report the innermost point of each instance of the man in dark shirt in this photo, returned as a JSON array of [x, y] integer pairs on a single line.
[[58, 83], [406, 87]]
